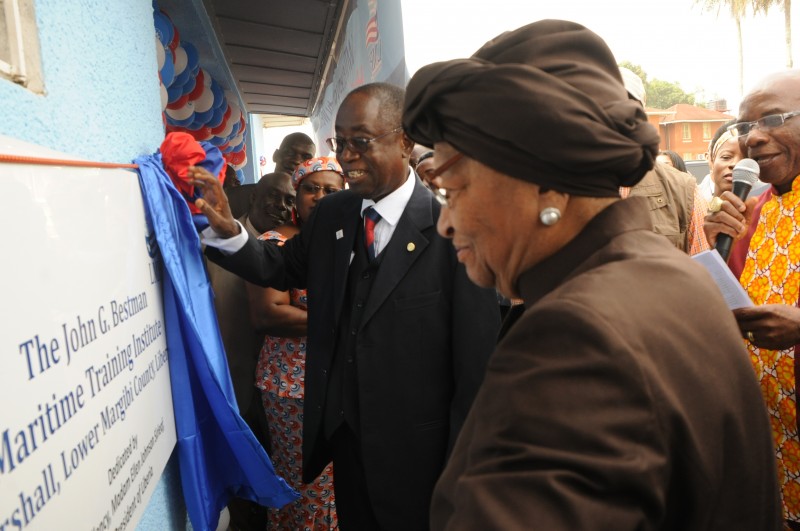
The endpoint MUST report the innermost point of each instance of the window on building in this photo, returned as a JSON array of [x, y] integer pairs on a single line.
[[706, 131], [19, 45], [687, 133]]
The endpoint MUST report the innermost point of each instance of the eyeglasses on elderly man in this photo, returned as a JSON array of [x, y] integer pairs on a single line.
[[767, 122], [357, 144]]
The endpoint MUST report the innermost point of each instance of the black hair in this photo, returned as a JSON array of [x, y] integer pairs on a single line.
[[295, 138], [391, 98], [676, 159], [424, 156]]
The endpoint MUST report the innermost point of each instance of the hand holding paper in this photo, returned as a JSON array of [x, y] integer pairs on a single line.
[[772, 326], [734, 294]]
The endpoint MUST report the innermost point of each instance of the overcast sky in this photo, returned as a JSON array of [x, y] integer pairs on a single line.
[[673, 40]]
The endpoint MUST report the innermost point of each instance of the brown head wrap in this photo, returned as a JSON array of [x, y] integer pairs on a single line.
[[544, 104]]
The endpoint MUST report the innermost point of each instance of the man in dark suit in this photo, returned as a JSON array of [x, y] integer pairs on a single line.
[[398, 342]]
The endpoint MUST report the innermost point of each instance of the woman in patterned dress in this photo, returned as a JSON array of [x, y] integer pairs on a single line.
[[281, 366]]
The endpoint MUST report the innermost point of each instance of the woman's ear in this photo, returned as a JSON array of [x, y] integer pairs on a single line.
[[408, 145], [552, 198]]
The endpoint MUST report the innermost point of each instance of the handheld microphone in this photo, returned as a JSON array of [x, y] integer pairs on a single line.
[[745, 175]]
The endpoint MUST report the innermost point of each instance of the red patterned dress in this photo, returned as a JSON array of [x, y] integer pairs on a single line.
[[280, 375]]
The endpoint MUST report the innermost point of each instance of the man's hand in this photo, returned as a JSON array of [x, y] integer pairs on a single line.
[[214, 203], [731, 219], [771, 326]]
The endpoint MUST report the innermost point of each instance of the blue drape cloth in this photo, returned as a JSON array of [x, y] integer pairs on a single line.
[[219, 455]]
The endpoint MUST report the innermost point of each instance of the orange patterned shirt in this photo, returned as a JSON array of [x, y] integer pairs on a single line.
[[771, 275]]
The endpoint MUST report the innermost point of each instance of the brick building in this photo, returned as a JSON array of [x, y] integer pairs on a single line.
[[686, 129]]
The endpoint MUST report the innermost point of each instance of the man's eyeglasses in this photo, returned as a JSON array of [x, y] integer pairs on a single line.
[[313, 189], [356, 144], [441, 194], [768, 122]]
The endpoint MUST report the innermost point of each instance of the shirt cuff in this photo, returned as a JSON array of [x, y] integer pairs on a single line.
[[226, 246]]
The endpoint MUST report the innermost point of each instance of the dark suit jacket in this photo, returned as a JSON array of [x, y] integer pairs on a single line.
[[242, 343], [425, 337], [622, 399]]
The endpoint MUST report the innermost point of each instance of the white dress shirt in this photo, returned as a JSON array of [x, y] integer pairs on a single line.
[[390, 208]]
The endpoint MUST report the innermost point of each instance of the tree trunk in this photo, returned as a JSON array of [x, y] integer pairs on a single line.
[[741, 55], [787, 23]]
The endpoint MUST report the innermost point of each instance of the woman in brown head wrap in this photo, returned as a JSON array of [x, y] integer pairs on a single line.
[[599, 409], [543, 107]]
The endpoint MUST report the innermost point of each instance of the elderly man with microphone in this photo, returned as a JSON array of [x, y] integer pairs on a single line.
[[766, 259]]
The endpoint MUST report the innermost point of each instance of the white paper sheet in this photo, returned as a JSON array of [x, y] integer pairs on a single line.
[[734, 294]]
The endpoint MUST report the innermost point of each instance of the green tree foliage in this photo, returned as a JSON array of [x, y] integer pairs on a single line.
[[663, 94], [660, 94]]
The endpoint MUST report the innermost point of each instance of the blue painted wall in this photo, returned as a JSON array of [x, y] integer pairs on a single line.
[[166, 510], [101, 102], [101, 98]]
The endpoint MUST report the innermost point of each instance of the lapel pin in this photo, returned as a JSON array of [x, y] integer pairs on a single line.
[[339, 234], [410, 247]]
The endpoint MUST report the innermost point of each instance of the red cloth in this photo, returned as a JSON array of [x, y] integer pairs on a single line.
[[371, 218], [178, 152]]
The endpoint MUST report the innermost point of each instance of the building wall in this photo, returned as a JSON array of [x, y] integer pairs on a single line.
[[655, 120], [101, 99], [692, 147], [255, 148], [101, 102]]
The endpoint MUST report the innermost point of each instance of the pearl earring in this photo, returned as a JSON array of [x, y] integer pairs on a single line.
[[550, 216]]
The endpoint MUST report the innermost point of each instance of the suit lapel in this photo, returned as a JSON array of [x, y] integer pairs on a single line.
[[344, 229], [406, 246]]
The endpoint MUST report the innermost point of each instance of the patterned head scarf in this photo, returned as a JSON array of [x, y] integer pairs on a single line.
[[544, 103], [314, 165], [714, 148]]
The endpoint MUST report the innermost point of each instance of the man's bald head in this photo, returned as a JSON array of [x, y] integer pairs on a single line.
[[295, 148], [773, 136]]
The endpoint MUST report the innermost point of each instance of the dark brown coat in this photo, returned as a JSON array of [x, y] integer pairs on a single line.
[[622, 399]]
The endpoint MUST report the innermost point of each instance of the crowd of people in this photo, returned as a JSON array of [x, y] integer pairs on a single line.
[[358, 292]]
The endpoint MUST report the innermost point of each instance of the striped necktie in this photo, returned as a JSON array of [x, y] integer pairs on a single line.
[[371, 217]]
